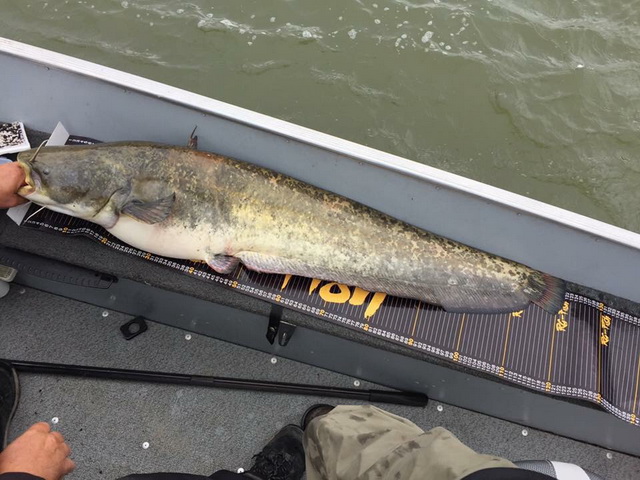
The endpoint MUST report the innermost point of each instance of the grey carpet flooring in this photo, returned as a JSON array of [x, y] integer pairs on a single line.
[[194, 429]]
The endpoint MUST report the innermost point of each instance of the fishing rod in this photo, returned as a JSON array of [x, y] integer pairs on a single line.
[[373, 396]]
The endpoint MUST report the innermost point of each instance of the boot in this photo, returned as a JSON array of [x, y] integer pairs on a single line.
[[281, 459], [314, 411], [9, 395]]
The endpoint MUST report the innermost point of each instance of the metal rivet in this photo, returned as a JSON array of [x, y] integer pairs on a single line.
[[356, 383], [22, 291], [609, 455], [440, 408], [105, 314], [55, 420], [274, 360], [525, 432], [145, 445], [240, 470], [187, 336]]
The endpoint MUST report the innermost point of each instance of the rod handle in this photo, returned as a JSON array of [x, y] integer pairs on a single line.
[[404, 398]]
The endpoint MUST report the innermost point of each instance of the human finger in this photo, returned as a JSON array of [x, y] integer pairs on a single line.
[[57, 437], [65, 449], [16, 170], [14, 174], [68, 466], [40, 427], [18, 200], [11, 200]]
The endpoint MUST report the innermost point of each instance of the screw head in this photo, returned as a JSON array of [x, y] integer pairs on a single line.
[[356, 383], [145, 445], [55, 420], [274, 360], [187, 336], [440, 408], [525, 432], [105, 314]]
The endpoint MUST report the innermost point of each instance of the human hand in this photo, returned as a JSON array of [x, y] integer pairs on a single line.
[[38, 451], [12, 177]]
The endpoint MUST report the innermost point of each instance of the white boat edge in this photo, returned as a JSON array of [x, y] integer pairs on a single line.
[[600, 235]]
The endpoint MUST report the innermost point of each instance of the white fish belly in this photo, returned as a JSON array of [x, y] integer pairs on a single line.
[[167, 240]]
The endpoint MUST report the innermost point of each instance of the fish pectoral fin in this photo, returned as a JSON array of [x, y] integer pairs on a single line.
[[154, 211], [223, 263]]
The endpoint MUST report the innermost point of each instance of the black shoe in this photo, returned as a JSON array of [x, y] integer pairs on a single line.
[[314, 411], [9, 395], [282, 458]]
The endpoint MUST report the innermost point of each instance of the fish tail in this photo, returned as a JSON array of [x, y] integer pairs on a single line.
[[551, 292]]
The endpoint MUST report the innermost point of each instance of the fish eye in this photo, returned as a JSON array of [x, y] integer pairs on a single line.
[[46, 171]]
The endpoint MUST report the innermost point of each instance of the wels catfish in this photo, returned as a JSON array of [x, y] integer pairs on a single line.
[[187, 204]]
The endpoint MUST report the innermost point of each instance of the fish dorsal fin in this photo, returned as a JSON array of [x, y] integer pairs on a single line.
[[150, 211]]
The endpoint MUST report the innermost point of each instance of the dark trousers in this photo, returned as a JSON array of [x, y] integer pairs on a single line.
[[219, 475]]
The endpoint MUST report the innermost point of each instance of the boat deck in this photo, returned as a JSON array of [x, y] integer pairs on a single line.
[[195, 429]]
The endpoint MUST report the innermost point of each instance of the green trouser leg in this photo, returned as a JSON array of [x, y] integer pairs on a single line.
[[365, 442]]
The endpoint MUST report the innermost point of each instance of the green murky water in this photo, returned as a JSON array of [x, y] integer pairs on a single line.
[[541, 98]]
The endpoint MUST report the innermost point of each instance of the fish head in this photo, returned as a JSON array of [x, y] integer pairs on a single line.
[[67, 181]]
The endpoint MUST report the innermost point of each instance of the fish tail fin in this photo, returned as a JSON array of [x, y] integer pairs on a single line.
[[551, 293]]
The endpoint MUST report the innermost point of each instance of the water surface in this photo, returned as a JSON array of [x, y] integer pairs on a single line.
[[537, 97]]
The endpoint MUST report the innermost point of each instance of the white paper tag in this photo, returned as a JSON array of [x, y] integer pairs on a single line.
[[58, 137], [18, 213]]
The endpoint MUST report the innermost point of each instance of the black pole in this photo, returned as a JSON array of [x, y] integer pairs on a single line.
[[383, 396]]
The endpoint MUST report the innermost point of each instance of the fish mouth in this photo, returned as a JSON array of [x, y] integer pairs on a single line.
[[31, 182]]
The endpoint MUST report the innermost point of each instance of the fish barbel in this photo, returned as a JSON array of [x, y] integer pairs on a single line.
[[187, 204]]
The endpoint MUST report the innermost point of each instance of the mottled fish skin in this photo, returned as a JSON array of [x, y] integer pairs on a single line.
[[221, 207]]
